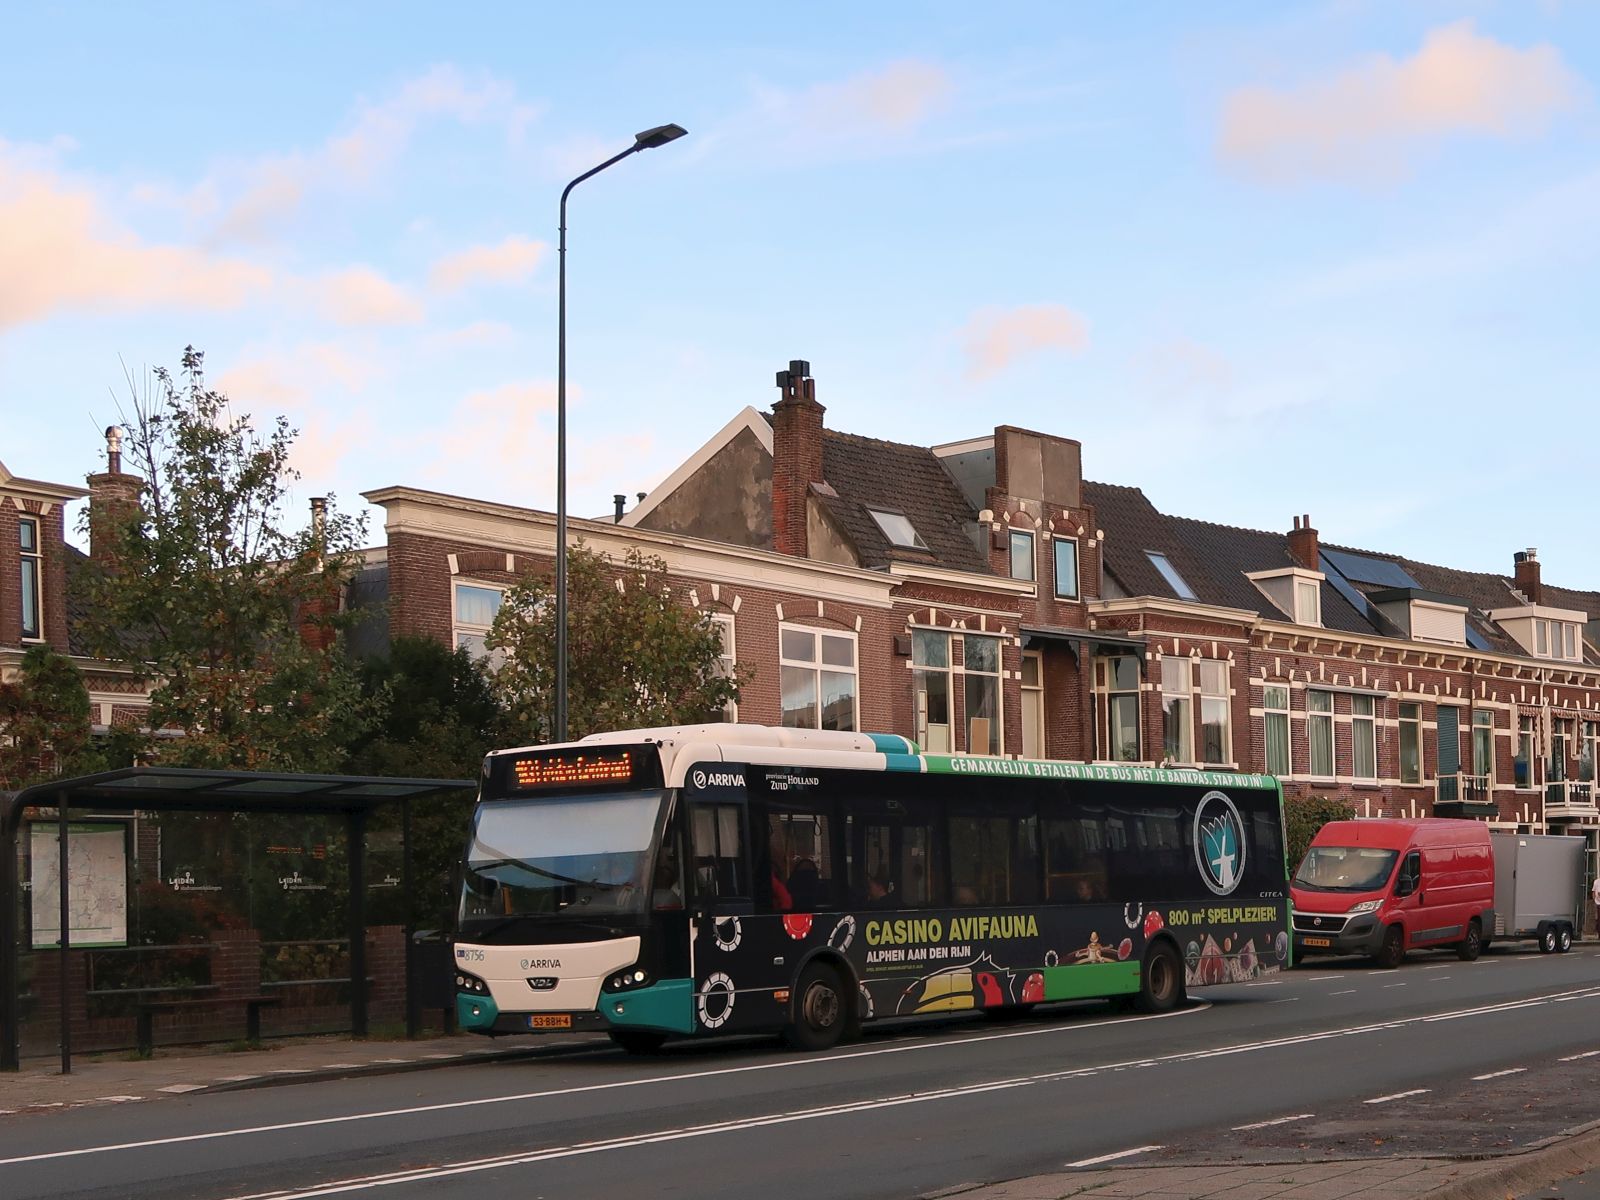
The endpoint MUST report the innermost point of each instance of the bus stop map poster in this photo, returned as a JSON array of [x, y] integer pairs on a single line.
[[97, 884]]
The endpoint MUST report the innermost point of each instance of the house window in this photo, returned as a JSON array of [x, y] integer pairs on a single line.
[[1569, 640], [1364, 736], [475, 609], [1170, 573], [1319, 733], [1483, 744], [930, 661], [981, 658], [1021, 554], [1541, 637], [1588, 750], [1117, 681], [817, 675], [898, 528], [1066, 568], [1410, 743], [1216, 747], [32, 579], [1524, 763], [1176, 690], [1275, 703], [1560, 740], [1307, 602], [1033, 743], [728, 659]]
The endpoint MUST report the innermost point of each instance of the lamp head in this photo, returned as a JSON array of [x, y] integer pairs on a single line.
[[659, 136]]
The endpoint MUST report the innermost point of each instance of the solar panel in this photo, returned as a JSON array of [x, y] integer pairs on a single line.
[[1342, 585], [1365, 569]]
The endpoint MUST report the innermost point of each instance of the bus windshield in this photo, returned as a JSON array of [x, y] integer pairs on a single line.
[[576, 856], [1345, 869]]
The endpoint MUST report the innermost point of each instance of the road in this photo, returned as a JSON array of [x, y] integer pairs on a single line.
[[1337, 1055]]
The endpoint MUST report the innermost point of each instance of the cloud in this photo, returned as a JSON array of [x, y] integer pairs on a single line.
[[995, 338], [59, 250], [361, 296], [1364, 121], [474, 336], [512, 261]]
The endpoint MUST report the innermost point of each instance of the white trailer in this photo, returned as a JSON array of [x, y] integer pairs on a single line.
[[1538, 888]]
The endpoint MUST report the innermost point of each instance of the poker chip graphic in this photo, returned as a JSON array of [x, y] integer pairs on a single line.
[[797, 925], [715, 1001], [728, 931], [1051, 958], [866, 1002], [843, 933], [1133, 914]]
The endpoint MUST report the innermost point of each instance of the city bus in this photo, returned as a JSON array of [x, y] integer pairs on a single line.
[[720, 879]]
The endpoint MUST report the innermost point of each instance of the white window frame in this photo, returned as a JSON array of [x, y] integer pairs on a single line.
[[1027, 689], [1311, 742], [1033, 555], [1226, 696], [1527, 747], [1363, 725], [999, 677], [1416, 722], [1301, 614], [460, 628], [1106, 692], [920, 716], [1269, 712], [1183, 695], [728, 660], [32, 559], [1479, 725], [1055, 568], [817, 667]]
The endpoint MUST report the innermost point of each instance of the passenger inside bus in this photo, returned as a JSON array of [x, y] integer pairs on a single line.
[[805, 885], [880, 891]]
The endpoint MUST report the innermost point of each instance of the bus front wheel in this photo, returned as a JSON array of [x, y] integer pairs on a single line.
[[1160, 981], [638, 1041], [820, 1013]]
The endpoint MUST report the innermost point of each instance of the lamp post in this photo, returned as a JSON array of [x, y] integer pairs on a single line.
[[648, 140]]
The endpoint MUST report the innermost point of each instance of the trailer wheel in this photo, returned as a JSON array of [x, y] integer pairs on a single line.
[[1564, 939], [820, 1014], [1393, 951], [1472, 945], [1547, 939]]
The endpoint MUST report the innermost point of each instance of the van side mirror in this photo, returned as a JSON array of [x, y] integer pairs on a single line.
[[1405, 885]]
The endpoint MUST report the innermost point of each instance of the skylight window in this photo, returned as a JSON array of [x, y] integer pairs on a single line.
[[898, 528], [1170, 573]]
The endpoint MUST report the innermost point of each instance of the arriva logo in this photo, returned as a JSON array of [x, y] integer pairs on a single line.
[[1219, 842], [705, 779]]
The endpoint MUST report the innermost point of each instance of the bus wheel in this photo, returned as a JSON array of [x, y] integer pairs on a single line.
[[1472, 945], [1160, 981], [1393, 951], [820, 1015], [1564, 940], [638, 1041]]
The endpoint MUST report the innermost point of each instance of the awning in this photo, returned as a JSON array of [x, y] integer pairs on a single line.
[[1095, 640]]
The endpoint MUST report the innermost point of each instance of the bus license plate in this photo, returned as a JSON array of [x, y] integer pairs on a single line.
[[1311, 941], [550, 1021]]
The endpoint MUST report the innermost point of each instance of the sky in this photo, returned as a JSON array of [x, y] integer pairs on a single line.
[[1261, 260]]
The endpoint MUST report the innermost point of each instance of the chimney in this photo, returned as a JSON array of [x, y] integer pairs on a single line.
[[1527, 575], [1303, 544], [113, 500], [619, 503], [796, 456]]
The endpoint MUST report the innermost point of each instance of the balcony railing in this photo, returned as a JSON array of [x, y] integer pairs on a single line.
[[1570, 798], [1463, 788]]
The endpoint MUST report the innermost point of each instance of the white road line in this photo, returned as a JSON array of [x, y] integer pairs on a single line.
[[1434, 967], [1105, 1158], [1568, 1058], [1435, 979], [1346, 992], [175, 1088], [1499, 1074], [1592, 992], [1285, 1000], [1258, 983], [1386, 986], [1263, 1124], [1395, 1096], [1313, 979]]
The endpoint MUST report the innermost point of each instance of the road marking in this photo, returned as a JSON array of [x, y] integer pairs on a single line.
[[1568, 1058], [177, 1088], [1105, 1158], [1435, 967], [1274, 1121], [1386, 986], [1285, 1000], [1396, 1096], [1592, 992], [1346, 992], [1313, 979], [1435, 979], [1499, 1074], [110, 1099]]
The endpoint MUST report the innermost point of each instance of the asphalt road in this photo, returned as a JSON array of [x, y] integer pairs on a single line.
[[1339, 1054]]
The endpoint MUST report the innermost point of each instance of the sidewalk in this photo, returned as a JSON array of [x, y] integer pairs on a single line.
[[121, 1079]]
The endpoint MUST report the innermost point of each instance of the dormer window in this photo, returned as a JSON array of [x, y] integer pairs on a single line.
[[32, 579], [897, 527], [1170, 573], [1307, 602], [1295, 591], [1555, 633]]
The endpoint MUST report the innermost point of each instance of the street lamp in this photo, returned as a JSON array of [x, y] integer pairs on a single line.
[[648, 140]]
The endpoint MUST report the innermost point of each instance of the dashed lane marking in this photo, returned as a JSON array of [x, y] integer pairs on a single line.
[[1568, 1058], [1274, 1121], [1105, 1158], [1346, 992], [1499, 1074], [1396, 1096]]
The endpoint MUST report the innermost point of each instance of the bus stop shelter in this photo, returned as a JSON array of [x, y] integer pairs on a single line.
[[160, 789]]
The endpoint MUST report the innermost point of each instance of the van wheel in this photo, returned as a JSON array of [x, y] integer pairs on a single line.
[[1472, 945], [819, 1009], [1160, 981], [1393, 951], [1564, 940], [1547, 940], [638, 1041]]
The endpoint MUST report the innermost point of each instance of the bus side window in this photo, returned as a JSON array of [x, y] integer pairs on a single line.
[[803, 859], [718, 850]]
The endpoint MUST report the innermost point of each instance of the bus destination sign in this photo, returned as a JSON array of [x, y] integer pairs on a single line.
[[572, 770]]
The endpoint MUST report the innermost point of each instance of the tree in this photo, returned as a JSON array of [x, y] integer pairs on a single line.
[[638, 656], [207, 593], [44, 721], [1303, 816]]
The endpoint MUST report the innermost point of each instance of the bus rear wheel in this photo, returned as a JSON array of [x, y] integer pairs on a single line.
[[638, 1041], [820, 1013], [1160, 981]]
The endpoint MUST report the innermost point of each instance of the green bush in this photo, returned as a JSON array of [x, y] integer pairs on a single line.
[[1303, 816]]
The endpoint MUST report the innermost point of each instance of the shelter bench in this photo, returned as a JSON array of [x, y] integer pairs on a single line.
[[147, 1010]]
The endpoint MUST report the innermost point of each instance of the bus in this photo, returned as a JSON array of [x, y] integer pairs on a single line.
[[719, 879]]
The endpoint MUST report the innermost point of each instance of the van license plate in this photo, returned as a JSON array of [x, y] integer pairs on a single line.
[[550, 1021], [1309, 941]]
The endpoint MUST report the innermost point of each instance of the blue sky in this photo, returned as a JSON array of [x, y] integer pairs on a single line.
[[1337, 259]]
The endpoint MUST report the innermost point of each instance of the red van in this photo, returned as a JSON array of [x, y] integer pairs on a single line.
[[1382, 887]]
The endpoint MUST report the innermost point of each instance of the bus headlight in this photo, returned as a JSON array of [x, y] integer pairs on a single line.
[[622, 981], [471, 984]]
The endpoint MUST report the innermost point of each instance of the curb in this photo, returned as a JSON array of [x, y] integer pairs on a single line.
[[1545, 1162]]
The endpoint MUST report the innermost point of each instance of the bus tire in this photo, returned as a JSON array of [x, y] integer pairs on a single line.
[[1393, 951], [1472, 945], [1564, 939], [1160, 980], [821, 1009], [638, 1041]]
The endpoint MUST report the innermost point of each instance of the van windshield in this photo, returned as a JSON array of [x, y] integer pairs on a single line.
[[1345, 869]]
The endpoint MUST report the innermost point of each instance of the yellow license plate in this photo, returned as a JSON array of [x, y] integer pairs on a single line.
[[550, 1021], [1308, 941]]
